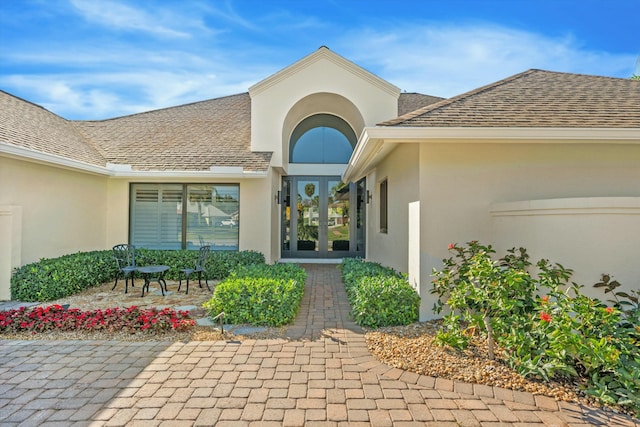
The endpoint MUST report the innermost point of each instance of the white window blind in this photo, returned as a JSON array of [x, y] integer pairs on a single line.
[[156, 216]]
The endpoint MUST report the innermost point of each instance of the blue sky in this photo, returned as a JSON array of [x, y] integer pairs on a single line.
[[97, 59]]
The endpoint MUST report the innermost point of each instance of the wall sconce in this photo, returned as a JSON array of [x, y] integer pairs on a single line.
[[369, 197], [278, 201]]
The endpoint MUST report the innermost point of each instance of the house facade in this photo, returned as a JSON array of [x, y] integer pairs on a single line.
[[324, 160]]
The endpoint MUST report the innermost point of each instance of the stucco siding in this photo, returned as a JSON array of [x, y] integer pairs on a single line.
[[271, 106], [60, 211], [256, 206], [459, 183], [400, 169]]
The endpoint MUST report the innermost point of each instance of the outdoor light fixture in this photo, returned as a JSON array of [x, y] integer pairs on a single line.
[[278, 201], [369, 197]]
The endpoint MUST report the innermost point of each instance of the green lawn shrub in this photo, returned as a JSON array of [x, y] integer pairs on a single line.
[[266, 295], [379, 296], [219, 263], [546, 327], [53, 278]]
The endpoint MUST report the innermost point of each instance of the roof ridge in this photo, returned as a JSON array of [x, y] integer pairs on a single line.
[[457, 98], [31, 103]]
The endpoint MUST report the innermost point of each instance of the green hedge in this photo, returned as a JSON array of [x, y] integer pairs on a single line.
[[267, 295], [379, 296], [219, 263], [51, 279]]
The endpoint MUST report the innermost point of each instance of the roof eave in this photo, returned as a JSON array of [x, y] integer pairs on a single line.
[[122, 171], [376, 142], [28, 154], [169, 174]]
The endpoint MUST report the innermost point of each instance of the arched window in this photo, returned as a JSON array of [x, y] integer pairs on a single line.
[[322, 138]]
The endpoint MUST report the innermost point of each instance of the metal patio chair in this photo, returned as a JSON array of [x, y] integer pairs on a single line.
[[125, 256], [199, 267]]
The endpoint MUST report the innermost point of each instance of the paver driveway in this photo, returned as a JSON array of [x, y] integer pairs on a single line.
[[324, 376]]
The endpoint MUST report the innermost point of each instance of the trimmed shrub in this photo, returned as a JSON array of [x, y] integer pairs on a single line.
[[266, 295], [219, 263], [50, 279], [54, 278], [379, 296]]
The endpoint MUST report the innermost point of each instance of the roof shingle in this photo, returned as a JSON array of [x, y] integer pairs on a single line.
[[537, 98], [190, 137], [26, 125]]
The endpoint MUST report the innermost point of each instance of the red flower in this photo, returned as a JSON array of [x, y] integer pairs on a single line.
[[545, 299], [451, 246], [545, 317], [609, 310]]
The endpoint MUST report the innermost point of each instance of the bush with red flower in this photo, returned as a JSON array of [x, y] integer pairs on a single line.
[[560, 334], [131, 319]]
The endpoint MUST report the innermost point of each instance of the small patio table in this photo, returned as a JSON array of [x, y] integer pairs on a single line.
[[153, 273]]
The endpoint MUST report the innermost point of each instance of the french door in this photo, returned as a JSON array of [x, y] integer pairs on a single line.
[[322, 217]]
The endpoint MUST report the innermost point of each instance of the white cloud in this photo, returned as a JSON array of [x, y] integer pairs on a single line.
[[447, 60], [85, 79], [121, 16]]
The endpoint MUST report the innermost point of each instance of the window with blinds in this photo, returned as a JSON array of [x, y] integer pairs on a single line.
[[179, 216]]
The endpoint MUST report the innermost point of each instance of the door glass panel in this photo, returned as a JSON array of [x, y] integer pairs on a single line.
[[308, 201], [338, 216]]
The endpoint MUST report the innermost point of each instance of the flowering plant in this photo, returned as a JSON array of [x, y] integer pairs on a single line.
[[56, 317], [561, 333]]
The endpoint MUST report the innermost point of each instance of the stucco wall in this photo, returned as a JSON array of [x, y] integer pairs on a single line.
[[591, 235], [459, 183], [401, 171], [255, 210], [271, 105], [60, 211]]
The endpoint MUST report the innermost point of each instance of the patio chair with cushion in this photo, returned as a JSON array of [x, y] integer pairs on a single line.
[[125, 256], [199, 267]]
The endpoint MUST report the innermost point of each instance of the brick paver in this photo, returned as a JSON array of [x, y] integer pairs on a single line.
[[321, 375]]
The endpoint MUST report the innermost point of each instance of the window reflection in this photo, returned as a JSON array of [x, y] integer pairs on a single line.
[[322, 138]]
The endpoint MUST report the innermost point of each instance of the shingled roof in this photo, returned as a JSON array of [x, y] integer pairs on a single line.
[[27, 125], [536, 98], [190, 137], [411, 101]]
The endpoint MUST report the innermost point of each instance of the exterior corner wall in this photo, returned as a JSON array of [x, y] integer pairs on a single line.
[[117, 212], [275, 252], [256, 200], [400, 169], [10, 246], [63, 211]]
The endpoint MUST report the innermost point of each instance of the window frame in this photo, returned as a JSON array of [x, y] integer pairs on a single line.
[[383, 196], [321, 121], [183, 211]]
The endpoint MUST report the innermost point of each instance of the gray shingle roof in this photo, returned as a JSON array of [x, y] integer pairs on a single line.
[[26, 125], [537, 98], [408, 102], [190, 137]]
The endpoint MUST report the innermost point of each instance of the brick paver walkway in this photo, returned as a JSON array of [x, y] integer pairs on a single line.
[[323, 376]]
